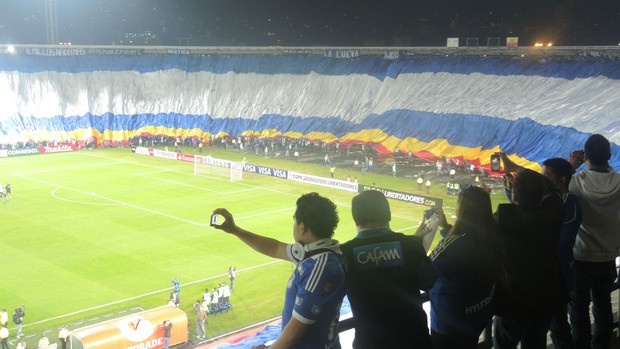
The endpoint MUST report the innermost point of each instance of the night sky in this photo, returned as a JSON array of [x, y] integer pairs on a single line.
[[315, 22]]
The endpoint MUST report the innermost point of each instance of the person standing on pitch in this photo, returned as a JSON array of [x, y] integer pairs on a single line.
[[44, 342], [315, 290], [167, 325], [63, 336], [201, 318], [231, 277], [4, 337], [18, 317], [4, 318], [176, 285]]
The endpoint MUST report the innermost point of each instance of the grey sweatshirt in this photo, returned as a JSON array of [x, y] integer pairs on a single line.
[[598, 239]]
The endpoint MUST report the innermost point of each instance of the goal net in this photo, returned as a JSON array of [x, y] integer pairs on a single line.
[[210, 166], [236, 170]]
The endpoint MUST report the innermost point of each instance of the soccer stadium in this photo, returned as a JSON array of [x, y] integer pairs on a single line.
[[117, 157]]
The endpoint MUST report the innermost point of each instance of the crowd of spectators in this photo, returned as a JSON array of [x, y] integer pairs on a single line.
[[530, 266], [29, 144], [362, 157]]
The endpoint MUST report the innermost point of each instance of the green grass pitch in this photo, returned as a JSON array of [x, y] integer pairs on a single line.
[[94, 234]]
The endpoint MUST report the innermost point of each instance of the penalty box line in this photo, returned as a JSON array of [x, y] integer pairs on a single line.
[[145, 175], [144, 208], [175, 170], [162, 169], [113, 200]]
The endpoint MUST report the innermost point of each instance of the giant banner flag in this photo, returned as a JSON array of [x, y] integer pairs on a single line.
[[435, 107]]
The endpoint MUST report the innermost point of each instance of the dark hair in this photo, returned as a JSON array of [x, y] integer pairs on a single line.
[[370, 206], [560, 167], [475, 218], [317, 213], [597, 150], [529, 188], [475, 214]]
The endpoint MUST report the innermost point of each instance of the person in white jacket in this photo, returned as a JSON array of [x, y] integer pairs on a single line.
[[44, 342], [597, 243]]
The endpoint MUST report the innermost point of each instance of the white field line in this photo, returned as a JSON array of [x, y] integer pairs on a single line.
[[121, 203], [408, 228], [77, 202], [159, 168], [292, 209], [148, 294], [115, 201], [408, 218], [193, 186], [58, 169], [186, 172], [224, 180], [239, 183]]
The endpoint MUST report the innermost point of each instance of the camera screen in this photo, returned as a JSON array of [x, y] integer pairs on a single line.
[[214, 219], [429, 213], [495, 162]]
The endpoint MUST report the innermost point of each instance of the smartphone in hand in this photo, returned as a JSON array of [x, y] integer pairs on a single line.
[[495, 162], [215, 219]]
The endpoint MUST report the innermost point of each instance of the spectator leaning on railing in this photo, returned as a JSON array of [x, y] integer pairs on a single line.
[[559, 173], [316, 288], [531, 287], [385, 273], [468, 262]]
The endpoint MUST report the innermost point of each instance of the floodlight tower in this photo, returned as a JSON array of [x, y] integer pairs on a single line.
[[51, 22]]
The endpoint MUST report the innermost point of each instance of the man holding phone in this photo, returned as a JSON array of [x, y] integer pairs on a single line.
[[597, 243], [315, 290]]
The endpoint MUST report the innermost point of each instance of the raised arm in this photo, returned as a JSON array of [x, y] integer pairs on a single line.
[[292, 333], [509, 165], [576, 159], [267, 246]]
